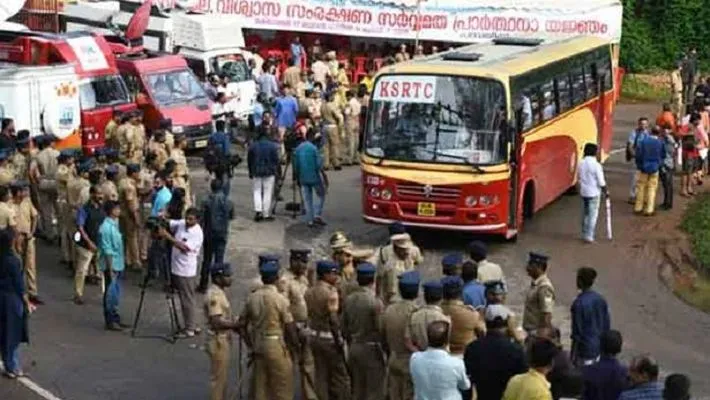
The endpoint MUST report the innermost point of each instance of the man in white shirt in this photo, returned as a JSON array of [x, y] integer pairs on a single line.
[[320, 71], [591, 186], [186, 240]]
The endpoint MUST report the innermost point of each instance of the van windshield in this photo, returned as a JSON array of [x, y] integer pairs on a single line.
[[234, 66], [103, 91], [175, 87]]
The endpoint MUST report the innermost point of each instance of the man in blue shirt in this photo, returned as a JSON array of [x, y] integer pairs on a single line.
[[649, 158], [162, 196], [267, 83], [607, 378], [111, 263], [308, 168], [590, 318], [435, 373], [474, 293], [297, 51], [219, 141], [263, 163], [644, 380], [632, 142], [286, 111]]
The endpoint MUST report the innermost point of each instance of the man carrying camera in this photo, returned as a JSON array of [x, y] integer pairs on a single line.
[[187, 241], [263, 162]]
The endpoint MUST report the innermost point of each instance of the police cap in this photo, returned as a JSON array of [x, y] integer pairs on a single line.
[[133, 168], [537, 258], [268, 257], [223, 269], [366, 270], [100, 152], [326, 266], [24, 142], [451, 282], [111, 152], [452, 260], [66, 154], [433, 287], [300, 254], [111, 170], [19, 184], [410, 279], [396, 228], [478, 248], [85, 166], [269, 269]]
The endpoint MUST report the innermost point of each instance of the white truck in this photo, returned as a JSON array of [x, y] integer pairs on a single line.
[[42, 99], [210, 43]]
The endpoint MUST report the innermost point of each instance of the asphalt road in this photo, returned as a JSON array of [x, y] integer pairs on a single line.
[[73, 358]]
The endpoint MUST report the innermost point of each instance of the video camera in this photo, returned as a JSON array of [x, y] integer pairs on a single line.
[[155, 223]]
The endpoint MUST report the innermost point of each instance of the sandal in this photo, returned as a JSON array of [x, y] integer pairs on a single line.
[[13, 375]]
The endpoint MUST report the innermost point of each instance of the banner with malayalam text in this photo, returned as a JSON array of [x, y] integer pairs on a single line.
[[443, 20]]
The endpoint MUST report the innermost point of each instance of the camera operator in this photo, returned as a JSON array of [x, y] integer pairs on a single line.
[[163, 194], [263, 161], [217, 156], [187, 241], [217, 211], [158, 257]]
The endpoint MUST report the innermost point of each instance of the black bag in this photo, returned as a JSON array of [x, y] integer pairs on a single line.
[[215, 160]]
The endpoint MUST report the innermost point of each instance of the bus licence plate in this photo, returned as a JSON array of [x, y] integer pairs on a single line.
[[426, 209], [200, 144]]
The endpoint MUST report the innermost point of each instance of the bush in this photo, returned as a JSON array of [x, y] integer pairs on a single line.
[[696, 222]]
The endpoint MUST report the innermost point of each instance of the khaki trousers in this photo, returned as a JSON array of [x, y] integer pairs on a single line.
[[48, 211], [67, 227], [84, 260], [352, 135], [29, 263], [331, 150], [306, 373], [218, 348], [131, 236], [399, 382], [367, 366], [332, 380], [646, 187], [272, 374]]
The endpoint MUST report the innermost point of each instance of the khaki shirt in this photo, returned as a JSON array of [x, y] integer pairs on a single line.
[[161, 153], [322, 301], [361, 316], [488, 271], [135, 139], [21, 163], [389, 267], [65, 173], [178, 155], [352, 112], [7, 174], [348, 281], [291, 76], [419, 321], [331, 113], [466, 324], [110, 191], [8, 216], [267, 313], [128, 194], [314, 106], [122, 135], [294, 289], [676, 82], [394, 325], [25, 213], [75, 191], [110, 135], [217, 305], [386, 253], [47, 163], [539, 300]]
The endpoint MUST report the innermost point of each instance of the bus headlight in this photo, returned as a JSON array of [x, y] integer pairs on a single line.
[[487, 200], [374, 192], [386, 194], [471, 201]]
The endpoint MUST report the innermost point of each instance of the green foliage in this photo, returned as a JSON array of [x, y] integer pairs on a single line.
[[635, 89], [696, 222], [656, 33]]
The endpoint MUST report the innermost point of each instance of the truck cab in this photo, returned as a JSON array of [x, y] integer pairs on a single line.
[[100, 88]]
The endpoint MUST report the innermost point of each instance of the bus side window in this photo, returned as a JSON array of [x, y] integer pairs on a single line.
[[590, 79], [536, 104], [605, 73], [549, 105], [562, 91], [579, 92], [198, 68], [132, 84]]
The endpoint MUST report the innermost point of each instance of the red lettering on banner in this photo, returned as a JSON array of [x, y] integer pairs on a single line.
[[576, 27], [406, 86], [331, 14], [486, 23], [249, 8], [413, 21], [428, 90]]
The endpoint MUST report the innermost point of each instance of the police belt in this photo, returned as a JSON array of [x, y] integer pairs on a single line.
[[320, 334]]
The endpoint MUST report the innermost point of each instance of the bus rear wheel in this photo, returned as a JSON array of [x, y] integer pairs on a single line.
[[528, 201]]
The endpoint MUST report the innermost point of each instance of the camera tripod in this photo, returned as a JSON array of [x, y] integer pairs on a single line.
[[295, 207], [172, 310]]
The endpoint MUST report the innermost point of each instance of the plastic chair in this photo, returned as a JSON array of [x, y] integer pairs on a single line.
[[359, 69], [378, 63]]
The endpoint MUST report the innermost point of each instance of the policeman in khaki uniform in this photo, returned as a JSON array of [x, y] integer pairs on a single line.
[[122, 134], [8, 216], [135, 138], [466, 323], [332, 377], [333, 125], [452, 264], [352, 129], [7, 172], [362, 312], [342, 253], [181, 176], [262, 259], [77, 187], [45, 178], [26, 215], [269, 331], [295, 285], [110, 131], [108, 186], [394, 325], [387, 252], [416, 330], [21, 159], [221, 323], [402, 260], [156, 145], [495, 295], [65, 173], [130, 219], [540, 297]]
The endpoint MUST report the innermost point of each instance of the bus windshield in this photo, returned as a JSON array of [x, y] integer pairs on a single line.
[[103, 91], [234, 66], [437, 119], [175, 87]]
